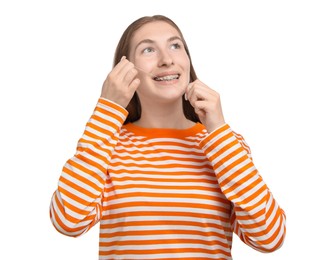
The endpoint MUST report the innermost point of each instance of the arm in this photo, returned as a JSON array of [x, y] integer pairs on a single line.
[[256, 216], [76, 204]]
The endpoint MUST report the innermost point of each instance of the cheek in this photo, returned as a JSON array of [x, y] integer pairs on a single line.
[[143, 90], [146, 66], [186, 62], [145, 63]]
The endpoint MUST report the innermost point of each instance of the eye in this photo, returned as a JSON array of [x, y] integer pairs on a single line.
[[175, 46], [148, 50]]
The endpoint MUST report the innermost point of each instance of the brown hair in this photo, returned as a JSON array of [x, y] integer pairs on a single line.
[[123, 49]]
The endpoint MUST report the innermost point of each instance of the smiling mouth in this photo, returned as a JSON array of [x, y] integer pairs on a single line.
[[167, 78]]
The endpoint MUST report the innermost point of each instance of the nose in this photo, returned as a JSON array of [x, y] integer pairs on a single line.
[[165, 58]]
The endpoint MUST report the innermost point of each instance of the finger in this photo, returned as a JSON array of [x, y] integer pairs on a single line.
[[125, 67], [196, 93], [189, 86], [119, 66], [127, 72], [188, 92], [200, 112], [196, 90], [201, 104], [129, 76], [134, 84], [200, 108]]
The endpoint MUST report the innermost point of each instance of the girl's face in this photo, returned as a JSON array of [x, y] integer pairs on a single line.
[[158, 52]]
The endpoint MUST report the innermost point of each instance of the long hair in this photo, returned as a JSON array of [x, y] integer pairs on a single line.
[[123, 49]]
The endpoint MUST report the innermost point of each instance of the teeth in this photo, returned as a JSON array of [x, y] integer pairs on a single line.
[[169, 77]]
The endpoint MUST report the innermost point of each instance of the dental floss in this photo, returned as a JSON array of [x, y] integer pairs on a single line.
[[149, 74]]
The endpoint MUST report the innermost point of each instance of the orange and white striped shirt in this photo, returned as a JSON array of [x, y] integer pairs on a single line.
[[164, 193]]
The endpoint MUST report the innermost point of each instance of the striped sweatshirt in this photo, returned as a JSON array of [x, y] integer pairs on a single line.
[[164, 193]]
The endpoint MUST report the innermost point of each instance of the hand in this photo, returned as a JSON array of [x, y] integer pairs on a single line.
[[121, 83], [206, 103]]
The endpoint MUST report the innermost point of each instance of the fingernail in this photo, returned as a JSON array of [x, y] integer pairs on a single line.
[[185, 96]]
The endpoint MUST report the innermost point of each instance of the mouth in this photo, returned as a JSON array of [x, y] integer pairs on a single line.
[[167, 77]]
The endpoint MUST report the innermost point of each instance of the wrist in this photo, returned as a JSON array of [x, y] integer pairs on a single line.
[[215, 125]]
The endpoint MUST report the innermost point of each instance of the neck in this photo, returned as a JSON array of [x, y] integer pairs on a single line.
[[167, 115]]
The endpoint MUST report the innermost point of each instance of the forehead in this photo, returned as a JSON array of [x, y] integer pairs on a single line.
[[155, 31]]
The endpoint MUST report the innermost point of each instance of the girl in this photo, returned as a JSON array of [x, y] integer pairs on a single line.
[[158, 166]]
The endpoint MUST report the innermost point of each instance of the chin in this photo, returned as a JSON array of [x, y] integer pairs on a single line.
[[169, 99]]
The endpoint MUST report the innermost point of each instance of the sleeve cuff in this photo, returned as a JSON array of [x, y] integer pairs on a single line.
[[217, 133], [111, 104], [108, 115]]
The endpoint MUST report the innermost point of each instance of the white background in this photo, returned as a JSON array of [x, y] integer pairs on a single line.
[[269, 60]]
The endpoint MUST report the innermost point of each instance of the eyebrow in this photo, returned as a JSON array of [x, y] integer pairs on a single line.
[[173, 38]]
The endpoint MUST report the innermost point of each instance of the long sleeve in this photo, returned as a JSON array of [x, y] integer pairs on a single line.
[[256, 217], [76, 204]]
